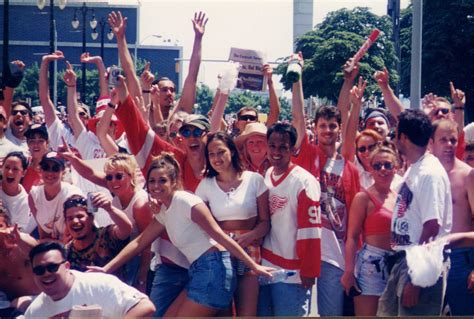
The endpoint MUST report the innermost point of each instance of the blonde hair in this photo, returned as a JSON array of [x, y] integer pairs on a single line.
[[121, 161], [168, 162], [388, 148]]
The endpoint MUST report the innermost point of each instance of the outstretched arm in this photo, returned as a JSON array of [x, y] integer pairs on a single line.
[[391, 101], [146, 80], [220, 99], [343, 101], [188, 96], [106, 141], [118, 23], [97, 61], [459, 101], [274, 101], [45, 99], [122, 225], [70, 79], [297, 108]]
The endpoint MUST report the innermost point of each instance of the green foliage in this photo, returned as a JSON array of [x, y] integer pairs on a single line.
[[28, 87], [332, 42]]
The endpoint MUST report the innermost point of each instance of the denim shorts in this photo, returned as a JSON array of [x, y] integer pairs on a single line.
[[212, 280], [371, 270]]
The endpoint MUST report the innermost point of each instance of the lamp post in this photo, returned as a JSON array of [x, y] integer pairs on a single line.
[[95, 35], [75, 24], [53, 67], [158, 36]]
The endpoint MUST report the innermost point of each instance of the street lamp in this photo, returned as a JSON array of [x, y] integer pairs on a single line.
[[52, 44], [95, 35], [158, 36], [75, 24]]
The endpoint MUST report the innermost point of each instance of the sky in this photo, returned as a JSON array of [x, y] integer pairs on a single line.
[[264, 25]]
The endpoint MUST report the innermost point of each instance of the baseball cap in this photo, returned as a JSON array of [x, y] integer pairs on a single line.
[[196, 120], [53, 157]]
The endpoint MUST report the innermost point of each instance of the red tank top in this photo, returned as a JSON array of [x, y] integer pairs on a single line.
[[378, 222]]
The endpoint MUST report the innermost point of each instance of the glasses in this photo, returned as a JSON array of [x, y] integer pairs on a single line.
[[53, 168], [118, 176], [173, 134], [75, 202], [82, 114], [197, 132], [444, 111], [364, 148], [247, 118], [22, 112], [51, 268], [387, 165]]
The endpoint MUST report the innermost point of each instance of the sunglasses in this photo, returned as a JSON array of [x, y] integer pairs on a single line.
[[22, 112], [443, 111], [387, 165], [51, 268], [75, 202], [173, 134], [82, 114], [53, 168], [247, 118], [364, 148], [197, 132], [118, 176]]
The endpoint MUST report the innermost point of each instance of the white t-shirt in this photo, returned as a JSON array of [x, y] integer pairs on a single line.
[[238, 204], [185, 234], [50, 213], [19, 210], [115, 297], [20, 144], [6, 147], [425, 194], [89, 146], [58, 130]]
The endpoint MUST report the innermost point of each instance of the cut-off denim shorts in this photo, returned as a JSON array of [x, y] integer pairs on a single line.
[[371, 270], [212, 280]]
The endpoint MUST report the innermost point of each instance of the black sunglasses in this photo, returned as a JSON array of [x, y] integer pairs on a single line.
[[444, 111], [118, 176], [53, 168], [75, 202], [197, 132], [51, 268], [22, 112], [387, 165], [364, 148], [247, 118]]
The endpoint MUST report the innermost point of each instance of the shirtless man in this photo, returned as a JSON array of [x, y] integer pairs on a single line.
[[17, 277], [443, 144]]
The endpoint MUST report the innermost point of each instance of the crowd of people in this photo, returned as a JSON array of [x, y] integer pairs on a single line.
[[146, 209]]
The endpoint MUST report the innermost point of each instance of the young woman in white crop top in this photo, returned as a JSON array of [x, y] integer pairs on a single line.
[[193, 230], [239, 202]]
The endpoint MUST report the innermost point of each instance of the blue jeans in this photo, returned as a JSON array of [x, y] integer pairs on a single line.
[[330, 291], [282, 299], [460, 300], [168, 283], [131, 271]]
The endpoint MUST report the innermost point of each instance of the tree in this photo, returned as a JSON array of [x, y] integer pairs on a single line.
[[332, 42], [448, 48]]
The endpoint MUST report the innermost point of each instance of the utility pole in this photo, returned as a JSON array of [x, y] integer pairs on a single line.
[[416, 40], [393, 10]]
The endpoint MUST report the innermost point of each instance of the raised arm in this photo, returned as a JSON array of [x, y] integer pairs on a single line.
[[274, 113], [156, 116], [45, 99], [188, 96], [391, 101], [343, 101], [9, 89], [220, 101], [146, 80], [75, 122], [106, 141], [97, 61], [348, 144], [459, 101], [118, 23], [297, 109], [122, 225]]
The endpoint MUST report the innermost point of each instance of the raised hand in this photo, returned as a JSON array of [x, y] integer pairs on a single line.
[[382, 78], [19, 63], [117, 23], [70, 76], [155, 95], [357, 92], [102, 201], [86, 58], [199, 23], [57, 55], [122, 90], [351, 75], [458, 96], [147, 77]]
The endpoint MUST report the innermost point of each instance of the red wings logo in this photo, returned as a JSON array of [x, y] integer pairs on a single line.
[[277, 203]]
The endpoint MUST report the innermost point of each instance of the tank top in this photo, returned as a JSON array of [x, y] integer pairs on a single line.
[[379, 221]]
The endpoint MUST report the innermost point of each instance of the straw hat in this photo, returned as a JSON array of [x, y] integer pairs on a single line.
[[251, 129]]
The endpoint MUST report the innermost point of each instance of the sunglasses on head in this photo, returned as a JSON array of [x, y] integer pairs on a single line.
[[75, 202], [51, 268], [50, 168], [443, 111], [118, 176], [387, 165], [364, 148], [22, 112], [247, 118], [197, 132]]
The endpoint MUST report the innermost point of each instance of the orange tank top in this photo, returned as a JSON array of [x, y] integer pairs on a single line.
[[379, 221]]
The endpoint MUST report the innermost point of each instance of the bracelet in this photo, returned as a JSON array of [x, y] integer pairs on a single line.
[[70, 86], [146, 91], [111, 105], [459, 108]]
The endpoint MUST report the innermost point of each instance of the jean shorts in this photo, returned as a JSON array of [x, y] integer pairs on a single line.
[[212, 280], [371, 270]]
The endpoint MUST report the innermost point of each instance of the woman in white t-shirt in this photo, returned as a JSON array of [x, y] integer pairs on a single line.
[[193, 230], [238, 201]]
